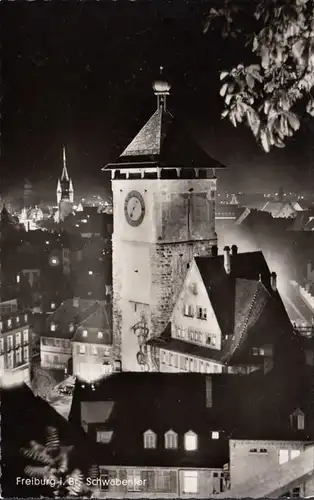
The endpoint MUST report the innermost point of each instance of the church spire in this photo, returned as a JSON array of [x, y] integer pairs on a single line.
[[161, 90], [65, 175]]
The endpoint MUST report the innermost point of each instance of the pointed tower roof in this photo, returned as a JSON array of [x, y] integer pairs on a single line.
[[64, 175], [162, 142]]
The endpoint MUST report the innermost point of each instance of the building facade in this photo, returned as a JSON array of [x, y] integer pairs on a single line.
[[164, 191], [15, 344]]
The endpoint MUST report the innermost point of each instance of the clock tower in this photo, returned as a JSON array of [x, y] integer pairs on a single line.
[[164, 191]]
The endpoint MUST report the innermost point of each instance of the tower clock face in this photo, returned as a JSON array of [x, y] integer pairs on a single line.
[[134, 208]]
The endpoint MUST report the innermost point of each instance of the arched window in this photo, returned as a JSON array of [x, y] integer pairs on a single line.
[[150, 439], [190, 441], [171, 440]]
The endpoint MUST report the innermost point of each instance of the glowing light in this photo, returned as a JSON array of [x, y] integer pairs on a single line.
[[18, 278], [90, 272], [47, 242], [84, 333]]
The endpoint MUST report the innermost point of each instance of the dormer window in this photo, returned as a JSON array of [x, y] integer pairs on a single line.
[[71, 327], [17, 320], [9, 323], [190, 441], [297, 420], [100, 335], [53, 305], [84, 333], [171, 440], [150, 440], [215, 435], [53, 327]]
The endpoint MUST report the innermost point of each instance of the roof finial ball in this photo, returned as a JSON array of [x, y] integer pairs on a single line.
[[161, 90]]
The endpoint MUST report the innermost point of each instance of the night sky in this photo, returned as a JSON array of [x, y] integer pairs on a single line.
[[81, 74]]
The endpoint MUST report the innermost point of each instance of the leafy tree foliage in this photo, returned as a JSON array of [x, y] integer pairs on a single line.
[[273, 93], [43, 383], [51, 462]]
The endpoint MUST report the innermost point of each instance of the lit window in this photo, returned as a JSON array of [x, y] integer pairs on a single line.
[[10, 342], [150, 439], [25, 336], [10, 360], [188, 310], [17, 319], [215, 435], [294, 454], [18, 278], [283, 456], [9, 323], [94, 350], [18, 339], [71, 327], [171, 440], [25, 317], [100, 335], [90, 272], [47, 242], [53, 305], [84, 333], [190, 441], [82, 349], [18, 355], [53, 327], [190, 481], [1, 326]]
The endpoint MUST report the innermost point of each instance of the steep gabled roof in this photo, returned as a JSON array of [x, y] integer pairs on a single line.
[[162, 142]]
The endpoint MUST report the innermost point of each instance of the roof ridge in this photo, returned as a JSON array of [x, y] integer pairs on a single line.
[[90, 311], [246, 321]]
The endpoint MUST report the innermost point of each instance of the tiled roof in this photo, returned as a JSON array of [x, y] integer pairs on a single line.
[[163, 142], [255, 406]]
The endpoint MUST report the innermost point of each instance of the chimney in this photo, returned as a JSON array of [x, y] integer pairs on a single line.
[[209, 391], [214, 251], [76, 302], [273, 281], [234, 250], [227, 264]]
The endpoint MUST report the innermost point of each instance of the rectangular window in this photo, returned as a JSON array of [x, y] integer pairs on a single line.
[[18, 355], [25, 336], [182, 362], [134, 480], [294, 454], [175, 363], [25, 318], [57, 342], [201, 313], [10, 342], [215, 435], [187, 364], [283, 456], [82, 349], [104, 436], [171, 359], [94, 350], [104, 481], [9, 323], [201, 366], [26, 354], [10, 360], [1, 346], [190, 481], [188, 310], [163, 480]]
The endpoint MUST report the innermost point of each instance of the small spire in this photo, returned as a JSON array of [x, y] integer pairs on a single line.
[[64, 176], [161, 90]]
